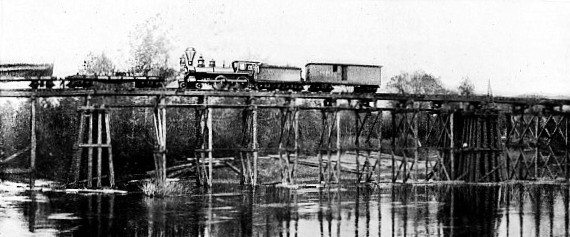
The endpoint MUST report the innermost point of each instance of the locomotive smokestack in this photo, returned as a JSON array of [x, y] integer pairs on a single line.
[[190, 53]]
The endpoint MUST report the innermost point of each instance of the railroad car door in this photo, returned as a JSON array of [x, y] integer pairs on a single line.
[[343, 73]]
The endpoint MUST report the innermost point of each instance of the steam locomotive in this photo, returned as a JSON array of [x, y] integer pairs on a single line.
[[259, 76]]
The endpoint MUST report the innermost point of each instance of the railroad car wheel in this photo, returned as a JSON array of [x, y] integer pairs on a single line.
[[34, 85], [50, 84], [239, 86], [182, 85], [220, 83]]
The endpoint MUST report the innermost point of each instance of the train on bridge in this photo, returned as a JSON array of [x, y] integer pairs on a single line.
[[260, 76], [239, 75]]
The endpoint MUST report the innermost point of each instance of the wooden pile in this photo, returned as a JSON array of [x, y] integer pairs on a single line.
[[479, 150]]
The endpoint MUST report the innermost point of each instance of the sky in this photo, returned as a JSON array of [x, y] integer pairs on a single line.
[[521, 47]]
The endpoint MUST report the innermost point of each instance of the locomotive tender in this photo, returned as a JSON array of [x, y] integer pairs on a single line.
[[259, 76]]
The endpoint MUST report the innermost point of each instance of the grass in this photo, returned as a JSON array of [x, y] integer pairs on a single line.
[[151, 188]]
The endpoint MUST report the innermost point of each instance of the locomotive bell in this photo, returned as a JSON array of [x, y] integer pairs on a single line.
[[200, 61], [212, 63], [190, 53]]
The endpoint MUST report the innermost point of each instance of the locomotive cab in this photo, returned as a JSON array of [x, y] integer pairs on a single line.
[[251, 68]]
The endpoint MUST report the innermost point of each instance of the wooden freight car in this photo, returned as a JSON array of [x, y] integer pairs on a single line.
[[323, 76]]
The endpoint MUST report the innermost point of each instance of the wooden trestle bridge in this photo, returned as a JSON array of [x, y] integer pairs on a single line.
[[474, 139]]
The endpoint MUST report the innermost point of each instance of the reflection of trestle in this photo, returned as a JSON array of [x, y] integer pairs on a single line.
[[99, 129]]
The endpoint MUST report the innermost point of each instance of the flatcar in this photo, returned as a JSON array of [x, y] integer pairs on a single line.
[[39, 75], [116, 81]]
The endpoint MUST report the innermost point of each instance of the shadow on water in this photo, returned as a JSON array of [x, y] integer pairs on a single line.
[[399, 210]]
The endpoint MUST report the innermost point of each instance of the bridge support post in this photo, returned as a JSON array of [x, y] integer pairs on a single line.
[[33, 142], [200, 114], [393, 147], [296, 147], [100, 116], [405, 127], [451, 146], [205, 140], [330, 121], [338, 146], [99, 149], [567, 150], [160, 132], [210, 126], [90, 149], [289, 136], [250, 146], [365, 126], [479, 156], [110, 149], [378, 164]]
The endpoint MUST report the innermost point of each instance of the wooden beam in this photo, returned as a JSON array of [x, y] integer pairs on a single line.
[[15, 155], [279, 94], [78, 151], [94, 145]]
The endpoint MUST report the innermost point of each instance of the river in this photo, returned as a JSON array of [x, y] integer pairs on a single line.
[[232, 210]]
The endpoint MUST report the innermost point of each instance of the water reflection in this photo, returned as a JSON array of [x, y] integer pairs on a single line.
[[401, 210]]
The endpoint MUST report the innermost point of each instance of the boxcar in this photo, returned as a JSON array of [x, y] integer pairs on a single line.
[[364, 78]]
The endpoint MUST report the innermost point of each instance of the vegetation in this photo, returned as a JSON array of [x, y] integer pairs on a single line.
[[153, 189], [150, 47], [99, 64], [418, 82], [466, 87]]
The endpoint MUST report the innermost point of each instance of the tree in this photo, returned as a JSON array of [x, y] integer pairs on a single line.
[[150, 48], [418, 82], [99, 64], [466, 87]]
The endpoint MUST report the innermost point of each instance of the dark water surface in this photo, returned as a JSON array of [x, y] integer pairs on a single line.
[[229, 210]]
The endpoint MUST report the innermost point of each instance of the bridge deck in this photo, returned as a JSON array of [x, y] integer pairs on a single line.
[[43, 93]]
